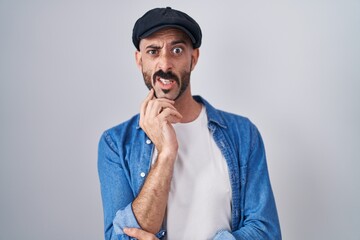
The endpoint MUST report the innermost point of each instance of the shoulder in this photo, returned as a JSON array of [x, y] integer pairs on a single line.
[[225, 119], [233, 118], [130, 125], [121, 133], [237, 127]]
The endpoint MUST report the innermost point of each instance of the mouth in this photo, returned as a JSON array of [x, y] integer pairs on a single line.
[[165, 83]]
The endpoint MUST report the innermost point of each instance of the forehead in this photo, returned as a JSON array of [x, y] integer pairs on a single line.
[[167, 34]]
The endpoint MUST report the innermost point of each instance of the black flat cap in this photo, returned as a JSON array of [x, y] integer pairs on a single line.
[[159, 18]]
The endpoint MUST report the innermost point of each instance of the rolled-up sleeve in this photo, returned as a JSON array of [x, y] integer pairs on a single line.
[[124, 218]]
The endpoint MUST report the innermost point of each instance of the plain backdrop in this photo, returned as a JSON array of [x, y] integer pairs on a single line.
[[67, 73]]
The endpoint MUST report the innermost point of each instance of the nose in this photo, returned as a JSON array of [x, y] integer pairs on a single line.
[[165, 62]]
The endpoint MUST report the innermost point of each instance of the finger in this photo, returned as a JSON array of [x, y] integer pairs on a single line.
[[155, 107], [139, 234], [170, 115], [151, 101], [151, 96], [165, 100], [146, 102]]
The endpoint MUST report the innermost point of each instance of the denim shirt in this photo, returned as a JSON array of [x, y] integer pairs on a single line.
[[124, 161]]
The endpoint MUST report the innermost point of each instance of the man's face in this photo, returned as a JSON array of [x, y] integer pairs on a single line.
[[166, 59]]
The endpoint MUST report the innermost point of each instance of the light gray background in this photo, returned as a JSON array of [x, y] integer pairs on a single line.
[[67, 73]]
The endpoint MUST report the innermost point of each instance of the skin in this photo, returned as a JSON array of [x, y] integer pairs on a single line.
[[139, 234], [168, 50]]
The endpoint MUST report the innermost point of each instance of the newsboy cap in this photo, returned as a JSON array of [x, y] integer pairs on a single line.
[[159, 18]]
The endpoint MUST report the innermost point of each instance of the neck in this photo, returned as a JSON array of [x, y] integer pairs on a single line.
[[188, 107]]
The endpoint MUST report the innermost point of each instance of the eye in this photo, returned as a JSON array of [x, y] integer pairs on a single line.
[[152, 51], [177, 50]]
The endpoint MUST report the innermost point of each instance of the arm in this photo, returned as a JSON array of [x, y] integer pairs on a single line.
[[260, 214], [116, 192], [156, 116], [121, 209], [150, 205]]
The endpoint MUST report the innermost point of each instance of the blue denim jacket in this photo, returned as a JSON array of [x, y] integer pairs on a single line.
[[124, 161]]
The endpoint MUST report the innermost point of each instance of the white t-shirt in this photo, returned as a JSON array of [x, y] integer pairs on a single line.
[[199, 203]]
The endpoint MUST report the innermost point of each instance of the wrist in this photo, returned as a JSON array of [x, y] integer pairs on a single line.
[[167, 156]]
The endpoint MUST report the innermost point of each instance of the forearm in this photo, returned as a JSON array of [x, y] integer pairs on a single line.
[[150, 205], [156, 119]]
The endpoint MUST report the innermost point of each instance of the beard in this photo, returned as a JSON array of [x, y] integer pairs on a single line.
[[182, 81]]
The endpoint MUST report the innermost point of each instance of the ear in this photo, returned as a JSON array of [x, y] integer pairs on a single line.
[[194, 58], [138, 60]]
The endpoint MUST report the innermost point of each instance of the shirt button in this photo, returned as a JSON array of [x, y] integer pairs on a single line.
[[148, 141], [142, 174]]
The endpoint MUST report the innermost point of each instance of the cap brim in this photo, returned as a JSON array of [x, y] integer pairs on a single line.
[[155, 29]]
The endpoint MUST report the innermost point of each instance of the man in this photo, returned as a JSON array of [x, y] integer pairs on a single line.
[[182, 169]]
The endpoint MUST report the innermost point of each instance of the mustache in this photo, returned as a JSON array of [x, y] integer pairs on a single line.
[[165, 75]]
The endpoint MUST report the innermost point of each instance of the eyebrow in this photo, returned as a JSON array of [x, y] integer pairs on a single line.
[[178, 42], [153, 46]]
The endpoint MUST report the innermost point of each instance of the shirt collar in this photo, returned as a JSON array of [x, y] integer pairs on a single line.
[[211, 112]]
